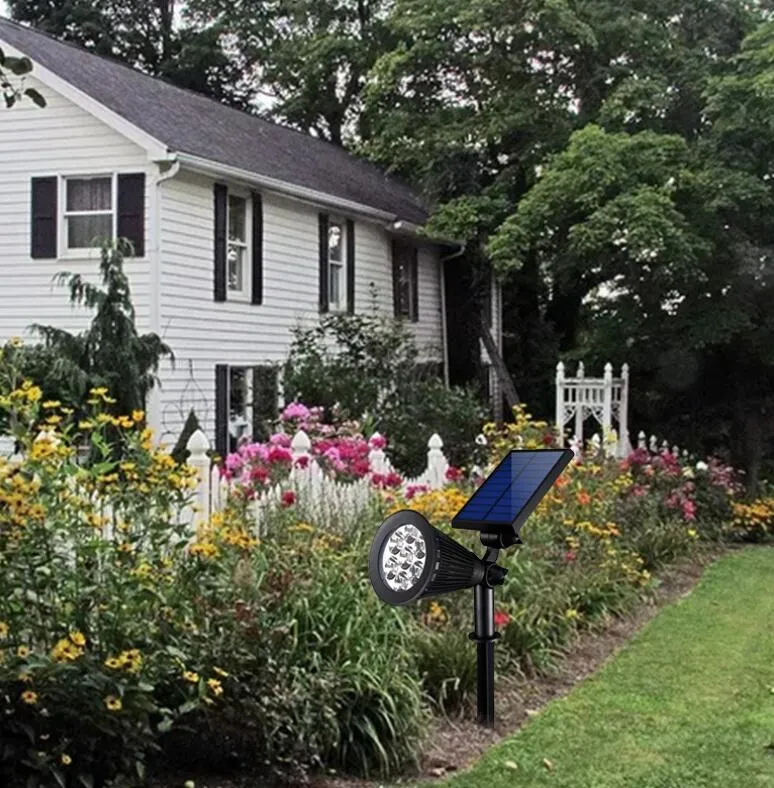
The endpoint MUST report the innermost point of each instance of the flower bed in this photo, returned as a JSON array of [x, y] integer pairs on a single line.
[[122, 637]]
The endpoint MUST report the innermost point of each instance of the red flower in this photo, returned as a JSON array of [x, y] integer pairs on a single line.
[[453, 474], [288, 498], [259, 474], [570, 556], [501, 618], [548, 439], [280, 454], [302, 461]]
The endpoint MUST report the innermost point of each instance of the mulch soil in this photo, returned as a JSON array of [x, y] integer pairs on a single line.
[[454, 744]]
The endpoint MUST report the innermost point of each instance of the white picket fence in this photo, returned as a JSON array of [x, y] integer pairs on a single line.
[[319, 499]]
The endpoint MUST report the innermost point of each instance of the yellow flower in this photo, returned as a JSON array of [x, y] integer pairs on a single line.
[[215, 686], [78, 638], [113, 662], [571, 614], [15, 342], [220, 672], [52, 403], [65, 651], [29, 697], [25, 677], [113, 703], [138, 415], [692, 533], [54, 420], [85, 425], [66, 759], [189, 675], [3, 630], [22, 652], [100, 391]]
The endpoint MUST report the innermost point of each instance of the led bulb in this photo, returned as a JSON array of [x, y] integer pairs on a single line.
[[403, 558]]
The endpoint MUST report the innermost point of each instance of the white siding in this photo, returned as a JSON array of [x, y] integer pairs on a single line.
[[204, 333], [60, 139]]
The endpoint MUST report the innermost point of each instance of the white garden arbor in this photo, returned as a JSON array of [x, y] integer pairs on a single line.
[[606, 399]]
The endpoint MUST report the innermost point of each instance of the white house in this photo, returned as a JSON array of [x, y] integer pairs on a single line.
[[242, 228]]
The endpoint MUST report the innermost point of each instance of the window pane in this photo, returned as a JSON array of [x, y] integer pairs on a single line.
[[238, 421], [404, 289], [236, 256], [89, 194], [335, 283], [237, 219], [86, 231], [335, 243]]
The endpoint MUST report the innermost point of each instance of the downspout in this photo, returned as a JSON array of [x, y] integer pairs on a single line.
[[155, 262], [444, 320]]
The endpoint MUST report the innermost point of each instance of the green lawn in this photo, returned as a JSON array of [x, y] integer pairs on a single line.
[[689, 704]]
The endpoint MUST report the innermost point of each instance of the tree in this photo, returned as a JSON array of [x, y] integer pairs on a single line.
[[311, 56], [143, 34], [13, 89], [110, 353]]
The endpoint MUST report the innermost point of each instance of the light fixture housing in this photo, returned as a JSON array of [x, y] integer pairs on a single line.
[[410, 559]]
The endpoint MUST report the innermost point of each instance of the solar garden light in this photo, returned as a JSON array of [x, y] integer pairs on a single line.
[[411, 560]]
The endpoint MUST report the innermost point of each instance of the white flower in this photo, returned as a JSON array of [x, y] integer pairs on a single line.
[[481, 440], [702, 466], [688, 472]]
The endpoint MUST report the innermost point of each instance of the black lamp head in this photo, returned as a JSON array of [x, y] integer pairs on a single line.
[[411, 559]]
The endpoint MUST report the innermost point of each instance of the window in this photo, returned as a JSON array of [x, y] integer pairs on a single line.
[[336, 264], [237, 244], [240, 406], [405, 280], [89, 215]]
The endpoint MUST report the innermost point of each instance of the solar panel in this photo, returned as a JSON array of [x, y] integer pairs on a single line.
[[513, 490]]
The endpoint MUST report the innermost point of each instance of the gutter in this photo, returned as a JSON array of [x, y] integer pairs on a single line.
[[311, 196]]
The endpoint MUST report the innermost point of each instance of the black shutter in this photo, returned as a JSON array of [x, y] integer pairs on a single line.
[[221, 409], [415, 284], [221, 208], [396, 278], [44, 218], [257, 296], [131, 210], [350, 266], [265, 400], [324, 277]]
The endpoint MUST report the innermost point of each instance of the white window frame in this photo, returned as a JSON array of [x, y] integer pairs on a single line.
[[64, 214], [342, 265], [244, 293]]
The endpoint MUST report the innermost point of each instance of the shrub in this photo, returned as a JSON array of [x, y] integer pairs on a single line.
[[364, 365]]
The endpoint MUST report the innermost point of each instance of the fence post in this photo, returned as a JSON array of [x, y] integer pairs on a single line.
[[625, 445], [301, 445], [437, 464], [653, 445], [642, 440], [198, 446], [377, 459], [560, 403], [580, 393], [607, 400], [596, 444]]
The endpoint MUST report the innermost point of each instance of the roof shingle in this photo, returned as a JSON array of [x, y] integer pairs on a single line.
[[187, 122]]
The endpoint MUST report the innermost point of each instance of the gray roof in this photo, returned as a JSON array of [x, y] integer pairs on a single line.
[[187, 122]]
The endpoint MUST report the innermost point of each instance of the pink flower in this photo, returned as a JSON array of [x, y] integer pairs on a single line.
[[280, 439], [295, 410], [570, 556], [453, 474], [288, 498], [501, 618], [377, 442], [233, 463], [302, 461], [415, 489], [689, 510]]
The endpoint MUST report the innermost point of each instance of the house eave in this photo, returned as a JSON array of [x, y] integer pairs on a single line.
[[310, 196]]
